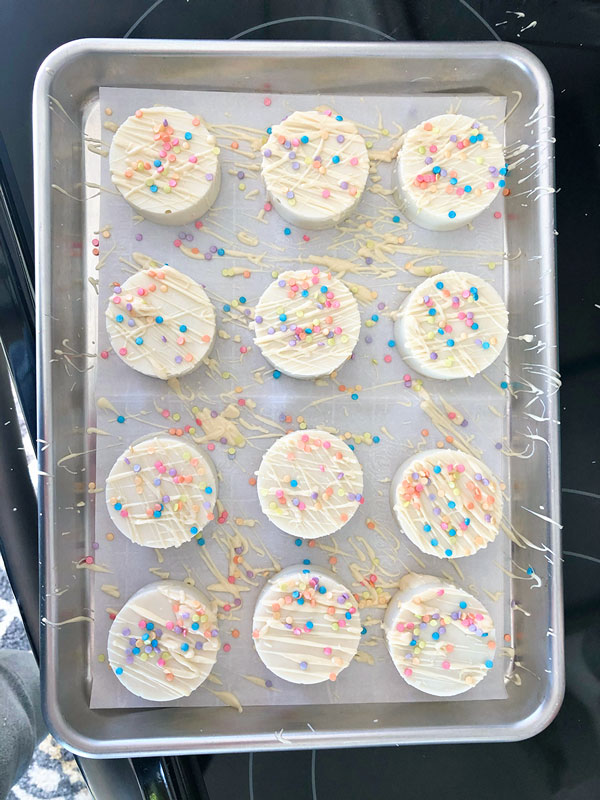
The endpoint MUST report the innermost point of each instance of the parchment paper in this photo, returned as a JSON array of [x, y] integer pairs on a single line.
[[386, 406]]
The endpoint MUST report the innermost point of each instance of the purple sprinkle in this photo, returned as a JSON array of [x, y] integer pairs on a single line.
[[214, 633], [182, 235], [126, 631], [128, 306], [209, 176], [340, 138], [381, 306], [241, 175], [433, 356], [166, 498], [131, 323], [443, 173], [268, 684], [249, 573], [292, 343], [498, 447], [287, 145], [147, 649], [208, 256], [314, 495], [478, 476], [132, 641], [464, 423], [138, 238], [247, 312], [290, 195], [472, 628], [126, 460], [178, 359], [156, 481], [441, 629], [317, 158], [485, 480], [223, 440], [295, 501], [422, 625], [189, 237], [288, 626], [267, 153], [428, 160], [437, 511], [206, 504], [165, 123], [341, 600], [359, 497], [368, 260], [368, 339], [163, 338], [435, 616], [453, 138], [258, 319], [95, 545], [129, 659], [415, 476], [177, 629], [281, 283], [237, 602], [199, 645], [185, 614], [214, 414], [454, 615], [488, 518], [172, 472], [351, 496], [213, 248], [475, 125], [270, 331], [477, 341], [128, 651], [136, 468], [343, 185], [295, 165], [240, 550]]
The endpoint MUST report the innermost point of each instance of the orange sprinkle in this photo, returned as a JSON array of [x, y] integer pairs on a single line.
[[195, 251], [332, 560], [506, 635], [424, 432], [246, 273], [234, 145], [450, 439], [252, 481], [332, 676], [371, 525], [341, 388], [235, 633], [311, 543]]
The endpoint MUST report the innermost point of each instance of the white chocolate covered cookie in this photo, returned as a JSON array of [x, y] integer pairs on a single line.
[[161, 322], [440, 638], [306, 626], [453, 325], [163, 643], [315, 168], [307, 323], [447, 502], [309, 483], [449, 169], [161, 492], [165, 163]]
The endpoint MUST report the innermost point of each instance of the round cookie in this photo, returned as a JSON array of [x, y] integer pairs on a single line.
[[315, 167], [161, 492], [161, 322], [309, 483], [449, 169], [165, 163], [307, 323], [440, 638], [453, 325], [306, 628], [447, 502], [163, 643]]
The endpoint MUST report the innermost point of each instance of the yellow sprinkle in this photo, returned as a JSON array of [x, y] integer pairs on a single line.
[[101, 658]]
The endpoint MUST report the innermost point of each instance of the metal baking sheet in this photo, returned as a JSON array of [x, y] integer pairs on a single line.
[[65, 103]]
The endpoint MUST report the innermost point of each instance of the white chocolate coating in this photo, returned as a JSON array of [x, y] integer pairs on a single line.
[[161, 492], [309, 483], [453, 325], [309, 641], [447, 502], [161, 322], [444, 178], [456, 630], [179, 177], [315, 168], [303, 331], [181, 644]]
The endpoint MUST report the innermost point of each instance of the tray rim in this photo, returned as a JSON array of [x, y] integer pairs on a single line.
[[63, 730]]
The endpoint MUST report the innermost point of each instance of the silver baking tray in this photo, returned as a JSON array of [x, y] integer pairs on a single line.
[[65, 100]]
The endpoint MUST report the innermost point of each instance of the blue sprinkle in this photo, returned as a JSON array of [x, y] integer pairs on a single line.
[[462, 604], [472, 139], [486, 345], [150, 626], [154, 188], [304, 139], [276, 374], [468, 188], [298, 542], [269, 131], [452, 214], [119, 317], [501, 184], [451, 504], [413, 642], [437, 469], [159, 320], [435, 170], [435, 635], [300, 600], [427, 528], [396, 219], [339, 119], [322, 590], [283, 317], [431, 312], [434, 542], [287, 231], [453, 181], [306, 561], [335, 159], [474, 327], [226, 307], [220, 252], [294, 483], [208, 490], [354, 396], [363, 631], [118, 506], [489, 664], [448, 553], [185, 647], [139, 340], [195, 626], [183, 328], [530, 570], [135, 651], [450, 342], [157, 163], [375, 317], [376, 439], [119, 670], [242, 300], [120, 419], [452, 532], [503, 385], [201, 541], [188, 135], [503, 171], [193, 530]]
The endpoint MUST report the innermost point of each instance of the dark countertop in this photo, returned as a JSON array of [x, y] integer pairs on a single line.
[[562, 762]]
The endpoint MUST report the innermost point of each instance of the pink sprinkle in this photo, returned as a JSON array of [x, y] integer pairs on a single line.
[[279, 493], [172, 182], [122, 351], [342, 623], [304, 437], [142, 623], [162, 153], [267, 206], [160, 169], [267, 101], [295, 142], [116, 300], [408, 672], [328, 112], [301, 506], [315, 270], [326, 445], [177, 242], [459, 467], [460, 145], [460, 191], [161, 662], [327, 651], [104, 354], [141, 291], [497, 215], [354, 161], [433, 148], [306, 238], [478, 616], [489, 185], [400, 627], [326, 193], [407, 377], [387, 359], [410, 625], [446, 664], [169, 625], [210, 446], [226, 647], [193, 159], [465, 294], [440, 592], [337, 330], [95, 242], [124, 513]]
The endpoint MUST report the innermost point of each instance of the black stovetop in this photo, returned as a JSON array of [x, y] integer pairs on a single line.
[[562, 762]]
